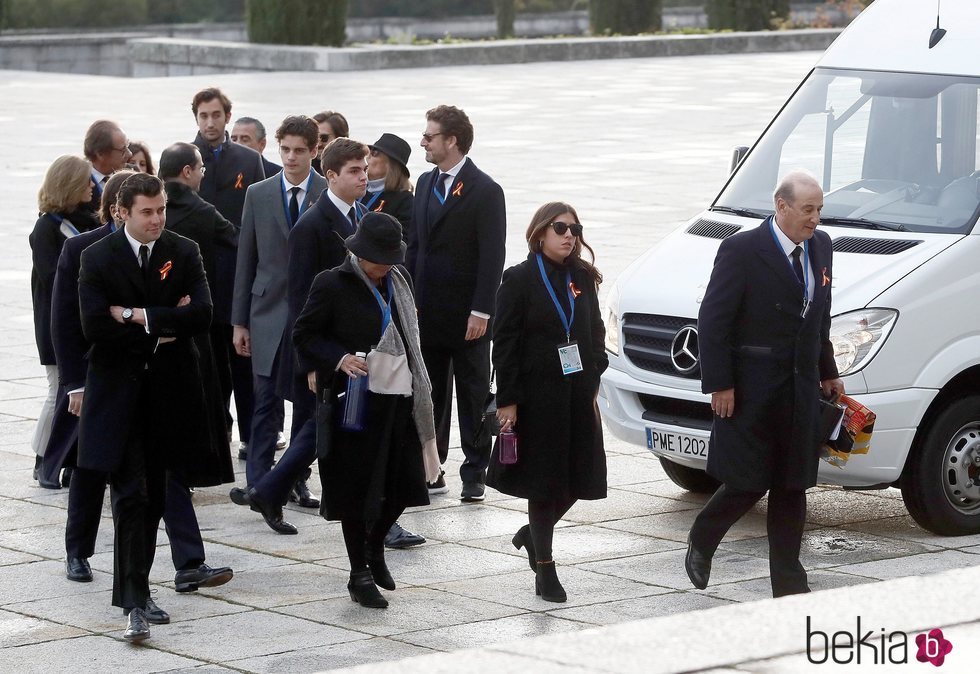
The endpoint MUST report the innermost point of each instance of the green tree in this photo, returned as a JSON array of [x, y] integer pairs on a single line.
[[625, 17], [505, 11], [745, 14], [301, 22]]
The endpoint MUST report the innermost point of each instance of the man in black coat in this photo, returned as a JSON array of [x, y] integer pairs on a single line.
[[107, 149], [764, 337], [456, 257], [229, 169], [142, 295], [87, 489], [250, 132]]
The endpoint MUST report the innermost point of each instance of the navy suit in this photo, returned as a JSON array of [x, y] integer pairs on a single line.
[[754, 339], [456, 257]]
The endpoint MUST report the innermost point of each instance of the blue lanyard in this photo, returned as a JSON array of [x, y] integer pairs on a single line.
[[806, 261], [61, 221], [385, 307], [371, 201], [566, 321], [285, 199]]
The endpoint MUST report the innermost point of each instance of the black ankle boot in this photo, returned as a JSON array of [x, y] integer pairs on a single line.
[[522, 539], [37, 465], [546, 583], [379, 569], [363, 590]]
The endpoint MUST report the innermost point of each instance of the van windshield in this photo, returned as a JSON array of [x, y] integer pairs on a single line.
[[894, 151]]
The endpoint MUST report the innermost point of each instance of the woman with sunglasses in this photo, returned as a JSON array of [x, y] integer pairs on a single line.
[[389, 189], [548, 354]]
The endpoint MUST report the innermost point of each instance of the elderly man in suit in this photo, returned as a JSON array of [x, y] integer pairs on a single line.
[[250, 132], [764, 329], [260, 309], [229, 169], [143, 296], [456, 257]]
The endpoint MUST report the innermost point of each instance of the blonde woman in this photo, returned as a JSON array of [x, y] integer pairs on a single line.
[[67, 185]]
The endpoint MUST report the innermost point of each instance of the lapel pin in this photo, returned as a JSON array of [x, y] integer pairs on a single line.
[[239, 180], [165, 269], [458, 190]]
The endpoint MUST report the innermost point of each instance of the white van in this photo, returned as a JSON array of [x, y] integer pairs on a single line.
[[891, 127]]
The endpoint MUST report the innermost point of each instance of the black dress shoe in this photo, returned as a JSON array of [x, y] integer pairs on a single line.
[[155, 615], [239, 496], [271, 514], [138, 628], [363, 590], [697, 565], [66, 474], [547, 585], [398, 538], [522, 539], [301, 496], [379, 570], [189, 580], [37, 466], [47, 484], [78, 570], [472, 492]]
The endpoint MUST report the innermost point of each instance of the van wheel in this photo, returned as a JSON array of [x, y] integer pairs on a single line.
[[691, 479], [942, 486]]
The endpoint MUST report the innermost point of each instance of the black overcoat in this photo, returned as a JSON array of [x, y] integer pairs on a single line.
[[560, 449], [46, 241], [124, 358], [456, 254], [396, 204], [385, 460], [753, 338]]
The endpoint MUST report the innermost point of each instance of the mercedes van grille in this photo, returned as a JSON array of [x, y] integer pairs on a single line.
[[856, 244], [647, 341], [676, 412], [713, 230]]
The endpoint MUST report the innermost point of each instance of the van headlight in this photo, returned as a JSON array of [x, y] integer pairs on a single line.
[[611, 313], [858, 335]]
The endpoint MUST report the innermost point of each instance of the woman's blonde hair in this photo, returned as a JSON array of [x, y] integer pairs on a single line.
[[64, 185], [543, 218]]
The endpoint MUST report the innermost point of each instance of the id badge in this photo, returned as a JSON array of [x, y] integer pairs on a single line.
[[571, 360]]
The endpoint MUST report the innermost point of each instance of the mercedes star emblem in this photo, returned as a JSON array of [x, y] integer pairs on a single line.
[[684, 349]]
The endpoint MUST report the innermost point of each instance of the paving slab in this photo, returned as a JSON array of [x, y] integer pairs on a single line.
[[19, 630], [639, 608], [95, 654], [335, 656], [474, 634], [667, 568]]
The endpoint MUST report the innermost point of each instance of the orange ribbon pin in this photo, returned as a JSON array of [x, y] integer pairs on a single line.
[[575, 291], [165, 269], [823, 273], [238, 181], [380, 206], [458, 191]]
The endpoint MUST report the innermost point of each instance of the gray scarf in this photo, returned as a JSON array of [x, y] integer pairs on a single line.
[[421, 386]]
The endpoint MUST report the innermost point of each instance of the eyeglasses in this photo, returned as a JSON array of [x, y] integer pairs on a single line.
[[324, 137], [427, 137], [122, 150], [562, 227]]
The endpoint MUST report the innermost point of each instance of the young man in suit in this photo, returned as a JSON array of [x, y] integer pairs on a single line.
[[229, 169], [142, 296], [456, 257], [87, 489], [260, 310], [764, 337]]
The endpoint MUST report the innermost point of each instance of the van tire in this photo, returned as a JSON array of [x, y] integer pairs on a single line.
[[691, 479], [932, 487]]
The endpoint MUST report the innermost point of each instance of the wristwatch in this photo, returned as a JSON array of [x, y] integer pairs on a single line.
[[127, 314]]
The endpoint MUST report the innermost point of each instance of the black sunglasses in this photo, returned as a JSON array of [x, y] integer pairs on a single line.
[[324, 137], [562, 227]]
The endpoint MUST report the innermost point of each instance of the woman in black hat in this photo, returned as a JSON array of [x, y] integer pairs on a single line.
[[369, 476], [389, 189]]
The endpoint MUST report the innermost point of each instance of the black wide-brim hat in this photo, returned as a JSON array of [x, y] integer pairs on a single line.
[[378, 239], [394, 147]]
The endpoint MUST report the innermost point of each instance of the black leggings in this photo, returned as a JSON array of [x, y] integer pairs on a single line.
[[542, 517], [361, 537]]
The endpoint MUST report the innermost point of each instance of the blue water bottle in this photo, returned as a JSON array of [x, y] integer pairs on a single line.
[[356, 401]]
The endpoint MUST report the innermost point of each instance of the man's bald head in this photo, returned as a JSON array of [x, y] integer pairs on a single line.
[[791, 185]]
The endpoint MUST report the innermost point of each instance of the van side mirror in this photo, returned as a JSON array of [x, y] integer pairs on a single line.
[[738, 154]]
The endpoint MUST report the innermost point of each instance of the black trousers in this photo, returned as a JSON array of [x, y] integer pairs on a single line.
[[234, 376], [295, 463], [85, 497], [784, 524], [469, 367]]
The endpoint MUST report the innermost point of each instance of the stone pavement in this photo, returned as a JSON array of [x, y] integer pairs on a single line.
[[637, 146]]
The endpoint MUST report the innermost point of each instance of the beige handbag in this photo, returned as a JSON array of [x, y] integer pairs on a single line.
[[388, 370]]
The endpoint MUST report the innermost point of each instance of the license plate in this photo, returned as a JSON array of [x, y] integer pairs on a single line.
[[668, 442]]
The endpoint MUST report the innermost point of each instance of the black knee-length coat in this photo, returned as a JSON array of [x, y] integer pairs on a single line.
[[382, 463], [560, 450]]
